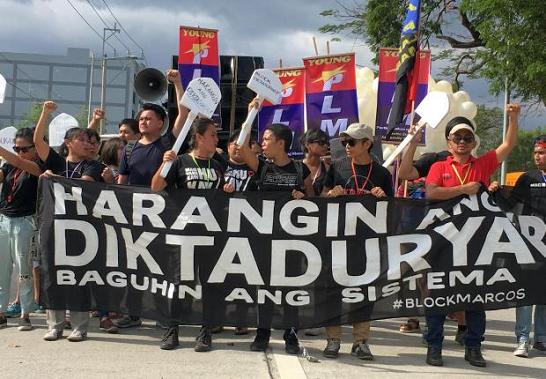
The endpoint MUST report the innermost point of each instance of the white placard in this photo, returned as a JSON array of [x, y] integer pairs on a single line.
[[58, 128], [7, 138], [202, 97], [267, 85]]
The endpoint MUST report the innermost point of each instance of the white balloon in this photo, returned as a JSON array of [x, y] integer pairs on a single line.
[[375, 84], [431, 84], [468, 109], [461, 96], [444, 86], [367, 74]]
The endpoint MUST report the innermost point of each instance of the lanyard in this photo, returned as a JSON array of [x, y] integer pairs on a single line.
[[16, 175], [462, 181], [361, 189], [209, 178], [73, 171]]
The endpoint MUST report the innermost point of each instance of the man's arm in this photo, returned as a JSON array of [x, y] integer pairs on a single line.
[[173, 76], [42, 148], [435, 192], [511, 138], [94, 123]]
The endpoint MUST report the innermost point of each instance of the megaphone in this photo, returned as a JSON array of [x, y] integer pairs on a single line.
[[150, 84]]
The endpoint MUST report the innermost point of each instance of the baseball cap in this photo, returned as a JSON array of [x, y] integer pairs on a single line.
[[459, 123], [358, 131]]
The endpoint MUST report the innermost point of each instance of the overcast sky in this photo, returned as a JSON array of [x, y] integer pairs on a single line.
[[272, 29]]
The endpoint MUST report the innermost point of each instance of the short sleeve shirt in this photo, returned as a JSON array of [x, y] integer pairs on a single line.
[[479, 169], [19, 192], [74, 170], [341, 173], [242, 177], [188, 172], [425, 162], [144, 160], [282, 178], [530, 188]]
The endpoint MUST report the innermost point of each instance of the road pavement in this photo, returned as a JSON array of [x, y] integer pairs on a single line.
[[135, 353]]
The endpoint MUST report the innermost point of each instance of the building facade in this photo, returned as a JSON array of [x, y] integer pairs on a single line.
[[73, 81]]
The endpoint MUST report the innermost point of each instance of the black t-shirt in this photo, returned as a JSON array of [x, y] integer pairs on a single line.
[[194, 173], [341, 173], [19, 191], [242, 177], [74, 170], [144, 160], [425, 161], [282, 178], [530, 189]]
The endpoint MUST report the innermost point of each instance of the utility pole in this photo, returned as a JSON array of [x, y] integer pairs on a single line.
[[111, 32]]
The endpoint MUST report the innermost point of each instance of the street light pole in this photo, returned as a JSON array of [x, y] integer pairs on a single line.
[[112, 31]]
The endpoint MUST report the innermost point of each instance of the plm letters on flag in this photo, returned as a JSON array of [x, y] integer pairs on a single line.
[[198, 57], [388, 59], [331, 92], [290, 111], [405, 79]]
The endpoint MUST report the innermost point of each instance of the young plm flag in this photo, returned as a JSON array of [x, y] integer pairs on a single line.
[[388, 59], [409, 46], [198, 57], [290, 110], [331, 92]]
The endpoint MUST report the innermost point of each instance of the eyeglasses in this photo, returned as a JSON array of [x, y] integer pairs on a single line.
[[351, 142], [22, 149], [321, 142], [459, 139]]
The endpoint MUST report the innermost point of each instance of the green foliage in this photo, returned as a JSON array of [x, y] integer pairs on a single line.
[[82, 116], [521, 158], [31, 116], [492, 39], [489, 127]]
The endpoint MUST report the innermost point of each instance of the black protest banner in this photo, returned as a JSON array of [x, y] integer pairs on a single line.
[[204, 257]]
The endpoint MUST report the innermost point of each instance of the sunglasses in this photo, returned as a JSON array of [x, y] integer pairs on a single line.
[[351, 142], [22, 149], [321, 142], [458, 139]]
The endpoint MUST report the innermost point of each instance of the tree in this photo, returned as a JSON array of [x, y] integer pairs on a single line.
[[489, 127], [521, 158], [492, 39], [82, 116], [30, 118]]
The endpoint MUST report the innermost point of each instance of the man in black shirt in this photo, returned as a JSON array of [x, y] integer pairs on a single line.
[[138, 167], [140, 161], [530, 192], [356, 174], [278, 173]]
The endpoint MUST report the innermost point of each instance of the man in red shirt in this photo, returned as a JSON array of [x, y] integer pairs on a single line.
[[463, 174]]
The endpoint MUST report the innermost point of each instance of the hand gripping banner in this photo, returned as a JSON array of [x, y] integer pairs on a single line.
[[263, 259]]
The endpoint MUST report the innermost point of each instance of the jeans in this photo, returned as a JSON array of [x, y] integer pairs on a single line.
[[475, 326], [15, 236], [524, 321]]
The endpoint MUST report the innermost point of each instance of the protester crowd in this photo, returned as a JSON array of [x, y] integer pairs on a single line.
[[138, 154]]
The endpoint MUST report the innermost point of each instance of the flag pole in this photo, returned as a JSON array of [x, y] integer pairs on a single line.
[[505, 127]]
